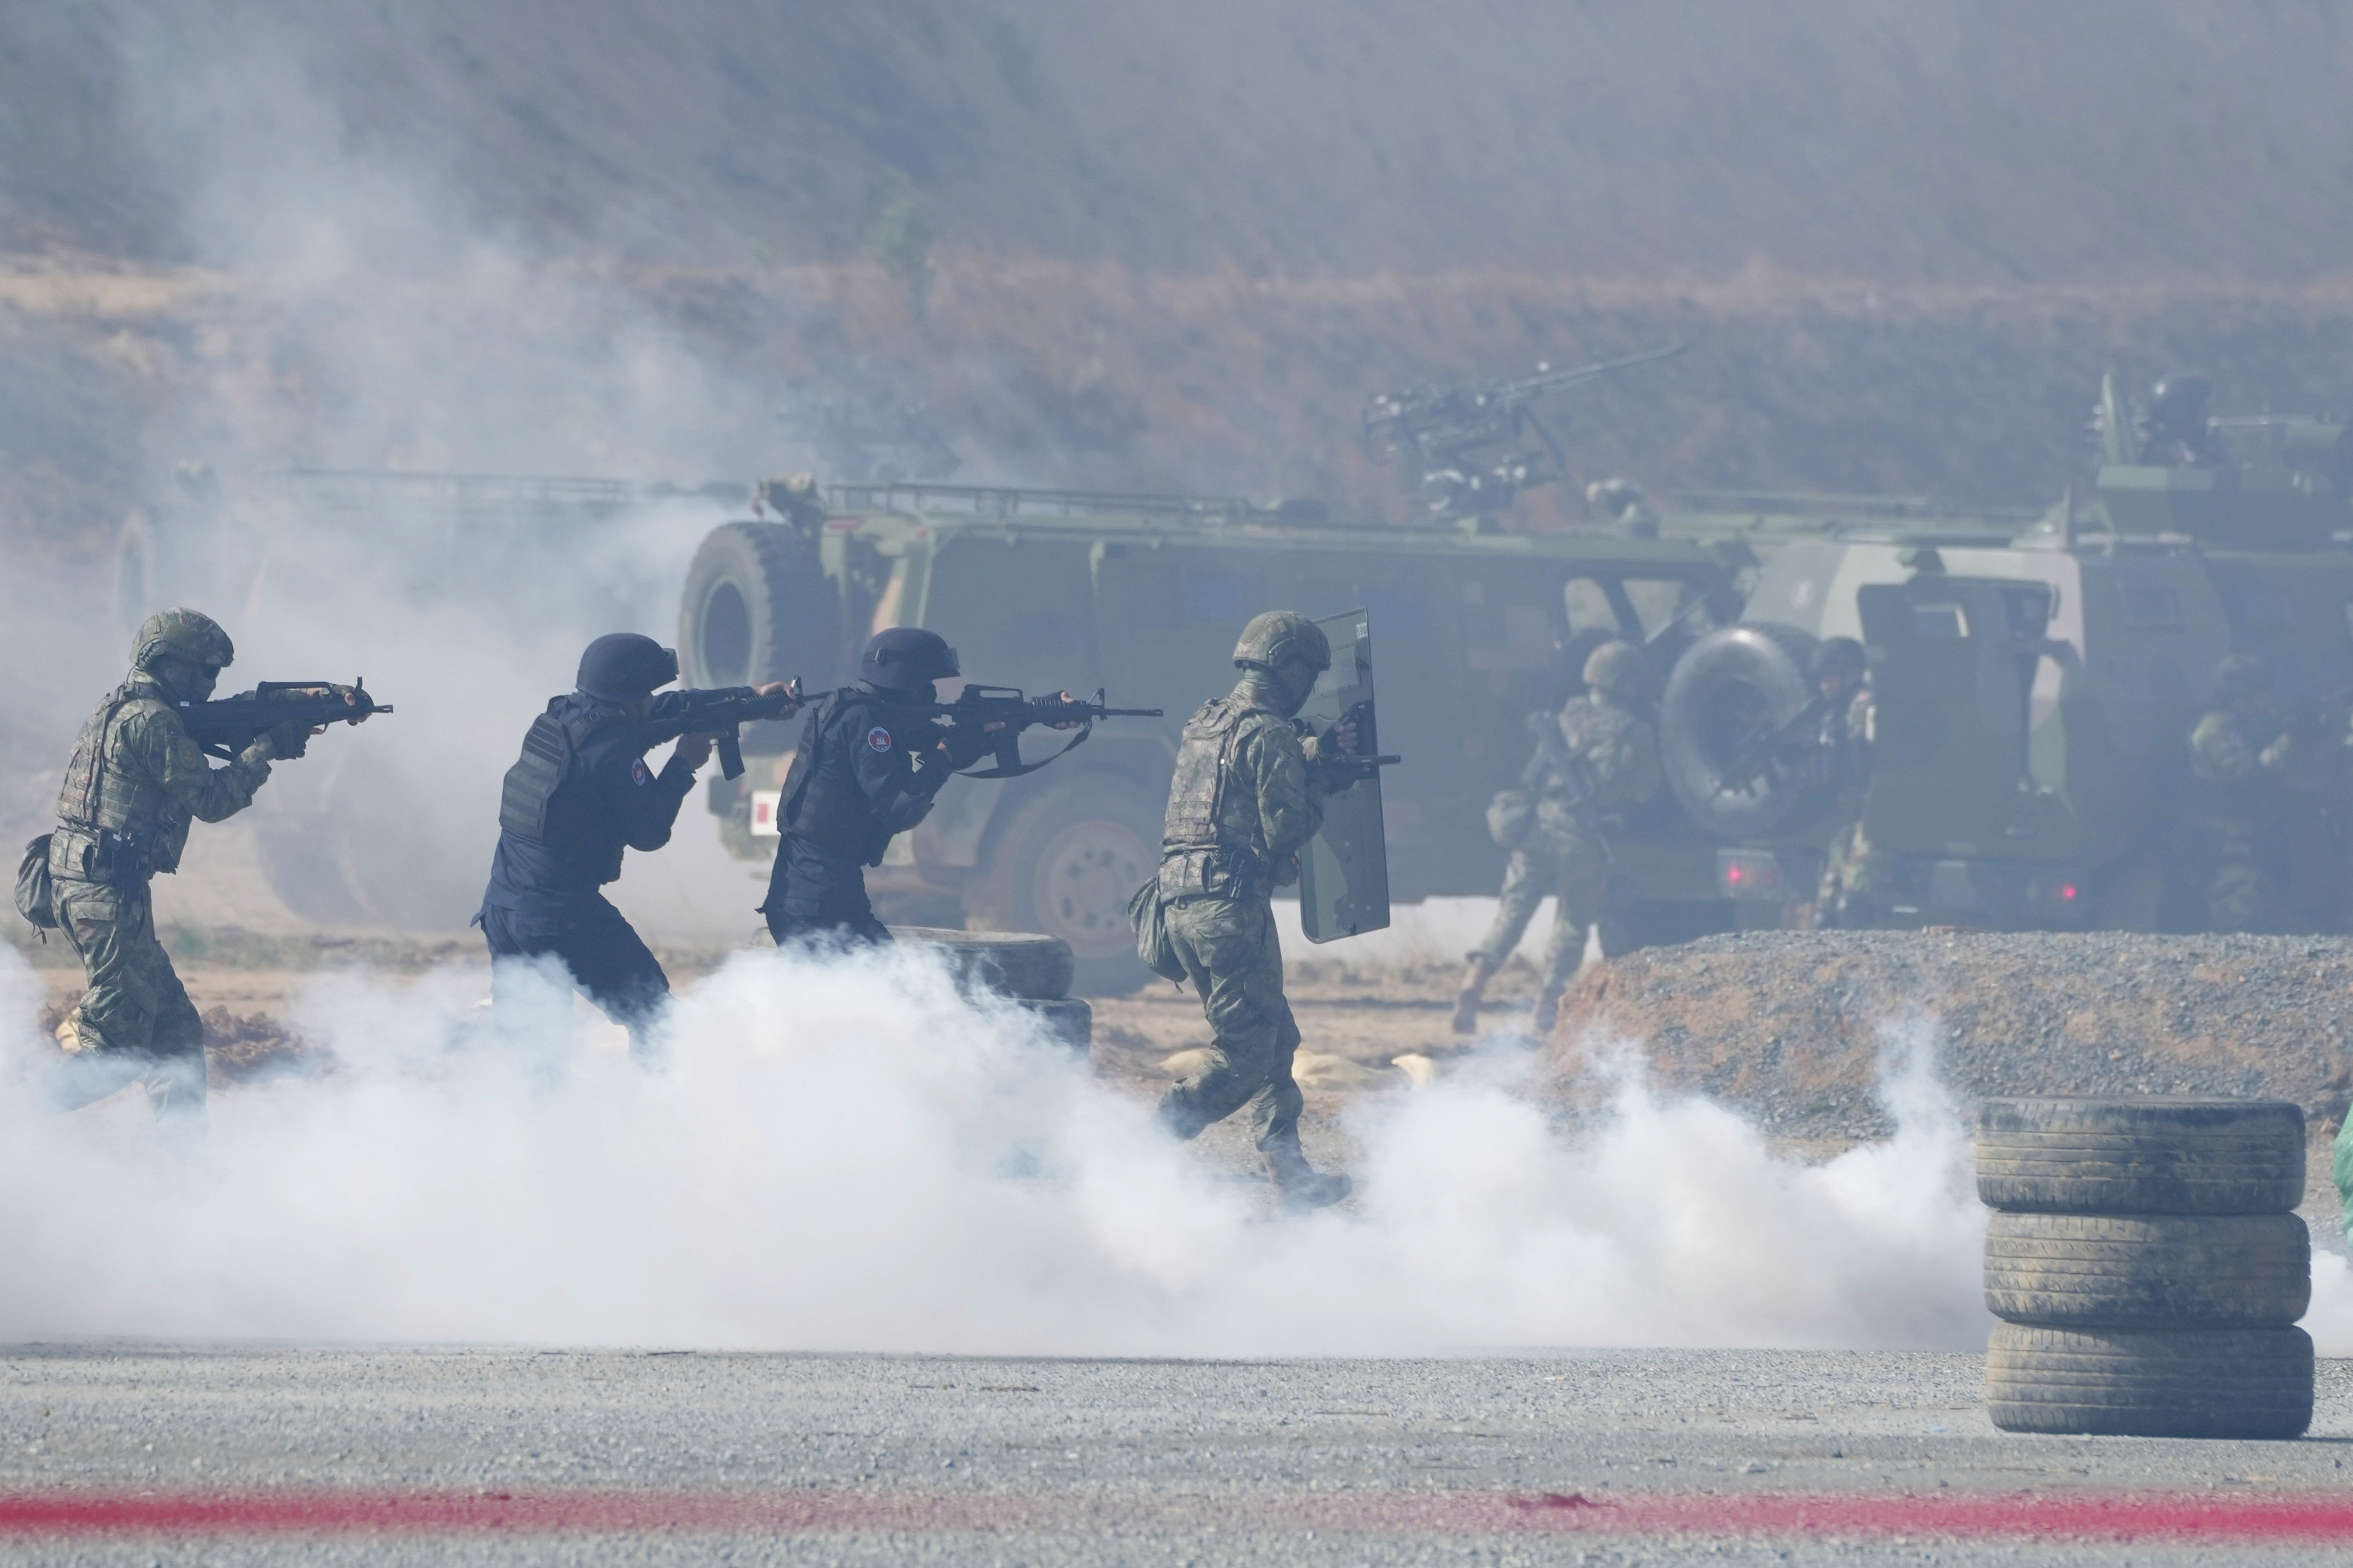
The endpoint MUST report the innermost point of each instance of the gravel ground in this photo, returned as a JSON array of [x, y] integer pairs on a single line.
[[1791, 1025], [1482, 1459]]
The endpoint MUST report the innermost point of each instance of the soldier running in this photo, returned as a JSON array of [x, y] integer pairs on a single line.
[[135, 782], [1248, 795], [1607, 761]]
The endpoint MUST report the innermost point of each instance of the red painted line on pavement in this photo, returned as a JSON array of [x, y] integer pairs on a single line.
[[2163, 1517]]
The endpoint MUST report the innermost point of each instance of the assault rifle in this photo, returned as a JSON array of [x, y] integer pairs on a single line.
[[1000, 713], [1576, 777], [1349, 768], [1766, 747], [1442, 435], [724, 711], [225, 726]]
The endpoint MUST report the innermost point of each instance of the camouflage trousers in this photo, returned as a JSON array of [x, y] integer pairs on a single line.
[[1229, 949], [135, 1023], [1574, 870], [1849, 893], [2239, 893]]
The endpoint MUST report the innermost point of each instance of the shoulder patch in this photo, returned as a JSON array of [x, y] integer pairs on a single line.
[[640, 773], [878, 739], [187, 753]]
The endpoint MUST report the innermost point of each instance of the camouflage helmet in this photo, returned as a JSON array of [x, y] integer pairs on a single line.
[[1838, 657], [189, 634], [1618, 668], [1280, 637], [2242, 675]]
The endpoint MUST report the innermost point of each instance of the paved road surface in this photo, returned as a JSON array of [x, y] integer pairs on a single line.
[[166, 1455]]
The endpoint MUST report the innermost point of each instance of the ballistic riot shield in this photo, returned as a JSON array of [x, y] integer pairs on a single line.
[[1344, 872]]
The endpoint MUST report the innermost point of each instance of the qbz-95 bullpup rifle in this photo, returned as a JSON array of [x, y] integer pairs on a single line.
[[227, 725], [1465, 449]]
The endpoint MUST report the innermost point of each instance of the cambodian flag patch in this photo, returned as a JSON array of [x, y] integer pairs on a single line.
[[639, 772], [878, 739]]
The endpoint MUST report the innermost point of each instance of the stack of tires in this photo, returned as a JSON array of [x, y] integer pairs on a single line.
[[1031, 971], [2147, 1267]]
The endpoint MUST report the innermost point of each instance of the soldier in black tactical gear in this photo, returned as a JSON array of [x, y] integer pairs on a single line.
[[866, 771], [1248, 795], [135, 782], [579, 795]]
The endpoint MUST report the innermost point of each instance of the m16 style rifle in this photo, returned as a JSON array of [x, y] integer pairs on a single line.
[[996, 715], [227, 725], [1577, 785], [1770, 746], [1465, 449], [722, 711], [1346, 768]]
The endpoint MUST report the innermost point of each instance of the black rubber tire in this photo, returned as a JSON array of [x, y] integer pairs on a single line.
[[1065, 863], [1066, 1021], [2150, 1382], [756, 607], [2135, 1156], [1731, 685], [1023, 965], [2149, 1271]]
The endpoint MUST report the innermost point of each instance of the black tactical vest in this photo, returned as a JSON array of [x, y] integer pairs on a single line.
[[548, 748], [821, 799]]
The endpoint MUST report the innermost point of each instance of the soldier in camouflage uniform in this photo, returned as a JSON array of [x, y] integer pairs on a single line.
[[135, 782], [2239, 752], [1611, 754], [1248, 795], [1850, 892]]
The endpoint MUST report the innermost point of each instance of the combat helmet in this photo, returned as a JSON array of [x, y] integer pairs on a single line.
[[1619, 669], [2242, 675], [907, 659], [1283, 637], [187, 634], [1839, 658], [621, 666]]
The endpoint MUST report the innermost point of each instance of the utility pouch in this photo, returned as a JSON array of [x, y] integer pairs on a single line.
[[1510, 816], [35, 895], [1148, 913]]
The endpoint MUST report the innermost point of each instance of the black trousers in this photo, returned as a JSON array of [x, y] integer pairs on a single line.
[[608, 959], [813, 897]]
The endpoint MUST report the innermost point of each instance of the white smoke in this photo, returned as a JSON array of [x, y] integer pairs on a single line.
[[846, 1154]]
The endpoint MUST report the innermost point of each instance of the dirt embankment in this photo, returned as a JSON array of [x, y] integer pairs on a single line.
[[1791, 1025]]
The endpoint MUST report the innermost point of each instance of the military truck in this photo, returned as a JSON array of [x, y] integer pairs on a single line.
[[2036, 685], [1142, 596]]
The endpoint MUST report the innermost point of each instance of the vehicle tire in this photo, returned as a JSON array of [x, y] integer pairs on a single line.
[[757, 607], [2137, 1156], [1066, 864], [1734, 685], [1023, 965], [2149, 1271], [2144, 1383], [1068, 1021]]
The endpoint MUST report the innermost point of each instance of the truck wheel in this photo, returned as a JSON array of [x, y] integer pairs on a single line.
[[758, 607], [2149, 1271], [2150, 1382], [1733, 686], [1066, 864], [2138, 1156]]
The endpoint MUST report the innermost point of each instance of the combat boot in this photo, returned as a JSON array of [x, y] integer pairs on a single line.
[[1474, 986], [1547, 1012], [1299, 1186]]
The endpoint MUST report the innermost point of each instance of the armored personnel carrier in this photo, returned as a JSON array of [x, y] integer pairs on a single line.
[[1142, 595]]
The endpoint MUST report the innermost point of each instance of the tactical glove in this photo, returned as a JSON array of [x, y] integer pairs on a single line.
[[288, 742]]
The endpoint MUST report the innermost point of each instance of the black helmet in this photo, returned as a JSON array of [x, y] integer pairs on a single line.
[[1839, 657], [904, 658], [621, 666]]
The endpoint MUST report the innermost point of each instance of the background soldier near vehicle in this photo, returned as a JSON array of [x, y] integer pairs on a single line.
[[1850, 892], [1621, 505], [861, 776], [579, 795], [1247, 796], [1606, 760], [2239, 753], [135, 782]]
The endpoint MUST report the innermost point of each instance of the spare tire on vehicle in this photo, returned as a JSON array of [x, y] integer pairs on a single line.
[[757, 607], [2149, 1271], [1733, 689], [1023, 965], [2154, 1154], [2142, 1382]]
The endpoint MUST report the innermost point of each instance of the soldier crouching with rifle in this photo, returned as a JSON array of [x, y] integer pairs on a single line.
[[872, 759], [138, 778], [1247, 796], [581, 793]]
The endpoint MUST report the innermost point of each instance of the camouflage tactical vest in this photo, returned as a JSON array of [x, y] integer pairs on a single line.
[[102, 798], [1197, 854]]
